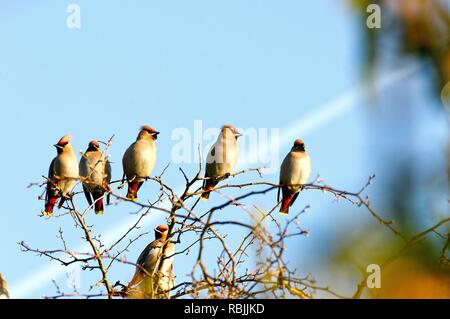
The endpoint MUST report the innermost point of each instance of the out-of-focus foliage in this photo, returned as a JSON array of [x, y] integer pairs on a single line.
[[419, 272], [417, 27], [407, 278], [420, 29]]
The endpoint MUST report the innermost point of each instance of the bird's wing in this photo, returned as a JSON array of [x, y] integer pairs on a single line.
[[137, 278], [286, 170], [209, 164], [146, 260], [205, 180], [108, 172], [83, 167], [210, 158], [127, 159], [87, 194], [139, 273], [51, 177]]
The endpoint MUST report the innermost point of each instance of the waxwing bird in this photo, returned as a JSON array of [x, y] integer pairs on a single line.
[[95, 174], [62, 175], [139, 160], [294, 173], [221, 159], [3, 288], [154, 274]]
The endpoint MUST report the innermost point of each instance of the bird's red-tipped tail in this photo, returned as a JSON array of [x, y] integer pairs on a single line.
[[205, 196], [133, 188], [285, 204], [288, 200], [98, 206], [209, 185], [49, 205]]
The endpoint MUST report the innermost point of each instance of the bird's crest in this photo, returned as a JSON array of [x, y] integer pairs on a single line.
[[94, 145], [64, 140], [231, 127], [162, 228], [233, 130], [148, 129], [298, 142]]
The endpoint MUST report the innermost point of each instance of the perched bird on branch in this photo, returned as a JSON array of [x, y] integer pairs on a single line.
[[139, 160], [154, 278], [221, 159], [3, 288], [62, 175], [294, 173], [95, 174]]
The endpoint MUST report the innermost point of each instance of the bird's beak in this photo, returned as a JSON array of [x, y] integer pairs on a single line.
[[155, 135], [58, 146], [238, 134]]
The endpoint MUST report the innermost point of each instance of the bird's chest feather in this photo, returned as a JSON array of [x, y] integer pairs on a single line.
[[92, 168], [222, 158], [66, 166], [296, 169], [142, 158]]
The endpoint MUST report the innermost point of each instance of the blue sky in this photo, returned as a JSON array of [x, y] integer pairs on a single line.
[[260, 64]]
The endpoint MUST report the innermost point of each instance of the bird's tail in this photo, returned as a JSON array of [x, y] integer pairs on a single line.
[[207, 187], [49, 205], [285, 204], [288, 200], [133, 188], [98, 206]]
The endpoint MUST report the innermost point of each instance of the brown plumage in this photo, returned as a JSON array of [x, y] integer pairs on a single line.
[[95, 174], [151, 279], [62, 175], [139, 160], [221, 159], [295, 171]]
